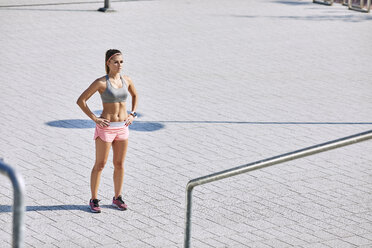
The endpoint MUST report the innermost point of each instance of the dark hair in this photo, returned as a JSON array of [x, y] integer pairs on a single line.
[[109, 53]]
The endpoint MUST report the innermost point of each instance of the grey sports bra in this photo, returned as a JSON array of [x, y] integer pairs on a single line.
[[112, 94]]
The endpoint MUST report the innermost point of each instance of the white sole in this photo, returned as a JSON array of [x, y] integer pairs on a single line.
[[93, 211], [115, 206]]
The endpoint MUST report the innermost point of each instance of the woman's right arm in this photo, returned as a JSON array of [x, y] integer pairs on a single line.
[[82, 102]]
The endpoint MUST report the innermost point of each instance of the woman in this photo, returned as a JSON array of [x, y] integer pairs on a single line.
[[111, 126]]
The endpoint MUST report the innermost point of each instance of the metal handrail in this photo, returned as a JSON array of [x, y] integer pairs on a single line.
[[18, 203], [262, 164], [326, 2], [361, 7]]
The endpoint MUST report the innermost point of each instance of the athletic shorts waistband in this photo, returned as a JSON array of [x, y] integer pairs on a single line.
[[117, 124]]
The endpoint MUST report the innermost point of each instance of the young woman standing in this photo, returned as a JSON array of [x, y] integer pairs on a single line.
[[111, 126]]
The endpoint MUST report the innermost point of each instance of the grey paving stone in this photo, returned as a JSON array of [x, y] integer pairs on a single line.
[[339, 232], [310, 238], [293, 241], [315, 245], [357, 240], [5, 238], [356, 229], [158, 241], [276, 243], [338, 243]]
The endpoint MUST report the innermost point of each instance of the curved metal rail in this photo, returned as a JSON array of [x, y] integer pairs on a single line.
[[18, 203], [262, 164]]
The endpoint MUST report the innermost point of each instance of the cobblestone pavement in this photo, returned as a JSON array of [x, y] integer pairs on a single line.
[[221, 83]]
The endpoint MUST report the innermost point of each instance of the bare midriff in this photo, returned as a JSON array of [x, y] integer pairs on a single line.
[[116, 111]]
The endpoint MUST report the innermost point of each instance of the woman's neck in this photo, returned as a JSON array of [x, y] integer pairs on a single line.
[[114, 75]]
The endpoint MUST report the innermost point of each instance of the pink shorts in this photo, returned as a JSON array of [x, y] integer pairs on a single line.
[[116, 131]]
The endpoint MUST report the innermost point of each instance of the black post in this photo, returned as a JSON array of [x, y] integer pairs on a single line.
[[107, 7]]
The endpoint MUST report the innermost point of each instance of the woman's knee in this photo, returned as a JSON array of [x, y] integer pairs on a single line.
[[99, 165], [118, 165]]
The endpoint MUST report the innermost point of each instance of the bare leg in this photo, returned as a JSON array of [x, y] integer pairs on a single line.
[[120, 149], [102, 152]]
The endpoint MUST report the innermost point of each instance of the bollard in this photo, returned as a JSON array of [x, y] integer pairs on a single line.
[[106, 7]]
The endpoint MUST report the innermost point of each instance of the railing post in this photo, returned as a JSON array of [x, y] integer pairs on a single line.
[[106, 7], [189, 189], [18, 203]]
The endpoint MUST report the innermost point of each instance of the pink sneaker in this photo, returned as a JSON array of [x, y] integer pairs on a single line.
[[94, 206], [119, 203]]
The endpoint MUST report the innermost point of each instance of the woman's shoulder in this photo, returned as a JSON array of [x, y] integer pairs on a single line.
[[99, 84], [127, 79], [100, 81]]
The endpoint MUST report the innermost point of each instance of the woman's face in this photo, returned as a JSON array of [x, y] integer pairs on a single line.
[[116, 63]]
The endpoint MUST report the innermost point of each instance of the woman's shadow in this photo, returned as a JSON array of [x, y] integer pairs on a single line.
[[141, 126], [84, 208]]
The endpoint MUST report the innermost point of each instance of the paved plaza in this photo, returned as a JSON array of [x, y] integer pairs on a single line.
[[221, 83]]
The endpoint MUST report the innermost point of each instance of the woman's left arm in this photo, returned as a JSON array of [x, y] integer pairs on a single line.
[[133, 92]]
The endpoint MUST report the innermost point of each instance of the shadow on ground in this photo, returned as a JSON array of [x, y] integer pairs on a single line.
[[293, 2], [344, 18], [31, 7], [141, 126], [84, 208], [7, 208], [66, 2]]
